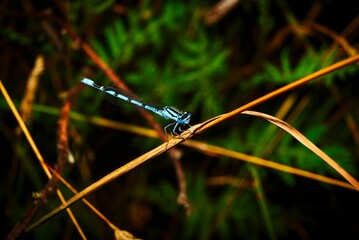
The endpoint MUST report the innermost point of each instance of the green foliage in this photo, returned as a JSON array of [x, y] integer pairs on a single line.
[[284, 73], [180, 66], [162, 195], [99, 6], [15, 36], [310, 62]]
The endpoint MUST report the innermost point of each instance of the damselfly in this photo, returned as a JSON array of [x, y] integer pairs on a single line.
[[170, 113]]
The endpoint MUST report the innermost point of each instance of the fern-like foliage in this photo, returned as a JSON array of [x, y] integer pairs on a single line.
[[288, 71], [186, 67]]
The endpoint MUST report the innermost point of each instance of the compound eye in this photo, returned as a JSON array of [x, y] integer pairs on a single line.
[[186, 117]]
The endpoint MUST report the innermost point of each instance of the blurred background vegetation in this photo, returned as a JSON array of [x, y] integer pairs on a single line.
[[205, 57]]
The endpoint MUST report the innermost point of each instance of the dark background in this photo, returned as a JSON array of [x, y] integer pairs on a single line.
[[170, 52]]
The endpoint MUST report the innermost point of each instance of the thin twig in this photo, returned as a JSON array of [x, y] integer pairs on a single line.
[[40, 200], [175, 154], [121, 170], [284, 89]]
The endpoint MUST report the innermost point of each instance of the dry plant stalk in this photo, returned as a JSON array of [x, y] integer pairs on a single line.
[[42, 196], [302, 139], [218, 11], [198, 129], [174, 154], [31, 87]]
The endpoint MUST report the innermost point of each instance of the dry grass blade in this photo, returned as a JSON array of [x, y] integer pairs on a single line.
[[89, 205], [284, 89], [23, 223], [212, 150], [32, 83], [219, 10], [302, 139], [124, 235], [201, 127], [124, 169]]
